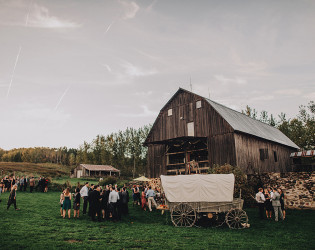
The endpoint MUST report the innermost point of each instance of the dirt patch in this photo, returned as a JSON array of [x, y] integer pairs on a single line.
[[73, 241]]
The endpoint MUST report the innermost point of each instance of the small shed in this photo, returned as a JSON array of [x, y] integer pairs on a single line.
[[85, 170]]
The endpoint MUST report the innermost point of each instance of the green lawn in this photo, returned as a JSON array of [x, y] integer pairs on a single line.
[[38, 225]]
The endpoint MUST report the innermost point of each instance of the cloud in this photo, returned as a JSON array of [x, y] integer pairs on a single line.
[[310, 96], [226, 80], [144, 93], [145, 113], [40, 17], [130, 9], [288, 92], [135, 71], [107, 67]]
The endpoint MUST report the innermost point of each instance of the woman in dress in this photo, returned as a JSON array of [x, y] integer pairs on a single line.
[[268, 204], [143, 201], [62, 197], [282, 201], [66, 203], [76, 203]]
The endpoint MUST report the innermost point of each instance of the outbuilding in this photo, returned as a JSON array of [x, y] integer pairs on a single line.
[[86, 170], [193, 133]]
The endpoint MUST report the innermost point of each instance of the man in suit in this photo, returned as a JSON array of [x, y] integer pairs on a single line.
[[95, 202], [276, 204], [89, 199]]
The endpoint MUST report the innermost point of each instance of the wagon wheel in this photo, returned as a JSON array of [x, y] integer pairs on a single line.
[[183, 215], [236, 219]]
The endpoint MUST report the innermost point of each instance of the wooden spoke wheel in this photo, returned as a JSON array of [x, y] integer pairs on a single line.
[[236, 219], [183, 215]]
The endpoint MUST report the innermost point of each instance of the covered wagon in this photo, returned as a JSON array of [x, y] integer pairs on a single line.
[[190, 197]]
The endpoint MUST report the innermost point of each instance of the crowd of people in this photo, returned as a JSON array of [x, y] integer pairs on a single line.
[[13, 183], [271, 201], [107, 203], [110, 202]]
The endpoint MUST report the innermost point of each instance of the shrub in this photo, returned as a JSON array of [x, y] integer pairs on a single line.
[[109, 180]]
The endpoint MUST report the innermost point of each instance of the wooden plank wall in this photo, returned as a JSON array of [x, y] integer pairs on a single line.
[[248, 155], [156, 161], [206, 120], [221, 149]]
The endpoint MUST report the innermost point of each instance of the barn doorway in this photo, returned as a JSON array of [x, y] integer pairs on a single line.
[[187, 156]]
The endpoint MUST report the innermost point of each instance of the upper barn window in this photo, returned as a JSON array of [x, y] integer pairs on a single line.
[[170, 112], [198, 104]]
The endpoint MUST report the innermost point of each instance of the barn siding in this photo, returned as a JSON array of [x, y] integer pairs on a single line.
[[207, 122], [248, 155], [156, 160], [221, 149]]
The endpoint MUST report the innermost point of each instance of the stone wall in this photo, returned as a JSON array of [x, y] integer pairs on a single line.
[[298, 187]]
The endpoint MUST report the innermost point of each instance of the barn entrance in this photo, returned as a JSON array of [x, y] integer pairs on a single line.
[[187, 155]]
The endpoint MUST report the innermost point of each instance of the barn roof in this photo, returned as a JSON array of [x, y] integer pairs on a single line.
[[100, 168], [243, 123], [240, 122]]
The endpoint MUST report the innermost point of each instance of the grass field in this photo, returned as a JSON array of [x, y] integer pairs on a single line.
[[38, 225]]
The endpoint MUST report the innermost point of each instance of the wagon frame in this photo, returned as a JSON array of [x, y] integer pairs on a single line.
[[185, 214], [219, 207]]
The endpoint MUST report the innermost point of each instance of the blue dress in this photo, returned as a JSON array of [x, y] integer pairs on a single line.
[[66, 203]]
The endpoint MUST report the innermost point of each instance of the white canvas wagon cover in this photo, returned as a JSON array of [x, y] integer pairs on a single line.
[[198, 188]]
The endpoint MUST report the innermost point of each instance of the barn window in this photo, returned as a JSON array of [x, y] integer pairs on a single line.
[[198, 104], [170, 112], [275, 156], [263, 153], [190, 129]]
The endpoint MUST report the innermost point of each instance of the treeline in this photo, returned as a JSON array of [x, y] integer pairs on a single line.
[[61, 155], [300, 129], [123, 150]]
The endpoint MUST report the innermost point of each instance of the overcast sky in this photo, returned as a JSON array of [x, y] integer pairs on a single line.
[[70, 70]]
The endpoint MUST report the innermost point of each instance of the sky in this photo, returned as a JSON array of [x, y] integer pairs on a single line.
[[70, 70]]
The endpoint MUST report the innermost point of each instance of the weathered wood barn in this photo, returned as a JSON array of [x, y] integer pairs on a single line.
[[192, 133], [84, 170]]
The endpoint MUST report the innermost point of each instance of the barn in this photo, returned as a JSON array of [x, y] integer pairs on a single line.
[[193, 133], [87, 170]]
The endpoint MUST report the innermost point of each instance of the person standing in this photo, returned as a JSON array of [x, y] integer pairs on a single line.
[[276, 204], [89, 198], [32, 184], [21, 183], [76, 203], [112, 201], [66, 203], [260, 198], [84, 194], [150, 196], [282, 202], [143, 200], [268, 205], [25, 183], [95, 204], [124, 201], [12, 198]]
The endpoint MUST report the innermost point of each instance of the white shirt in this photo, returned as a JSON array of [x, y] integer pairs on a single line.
[[260, 197], [113, 197], [84, 191]]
